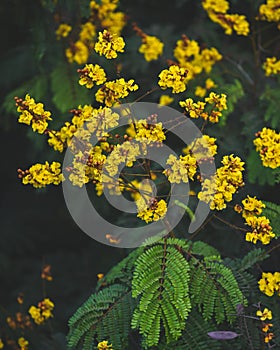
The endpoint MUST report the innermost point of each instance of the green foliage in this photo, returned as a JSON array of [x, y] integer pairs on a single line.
[[161, 278], [234, 92], [270, 99], [105, 315], [272, 212], [67, 93], [214, 290], [257, 173]]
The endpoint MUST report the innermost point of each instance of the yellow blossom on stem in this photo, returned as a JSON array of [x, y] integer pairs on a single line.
[[33, 114], [92, 74], [78, 52], [267, 143], [215, 5], [113, 91], [143, 131], [181, 169], [103, 345], [151, 47], [63, 31], [174, 77], [261, 230], [268, 337], [165, 100], [266, 327], [264, 315], [42, 312], [270, 11], [1, 344], [154, 211], [109, 44], [41, 175], [202, 90], [271, 66], [88, 32], [270, 283], [203, 148], [251, 207], [219, 188], [23, 343]]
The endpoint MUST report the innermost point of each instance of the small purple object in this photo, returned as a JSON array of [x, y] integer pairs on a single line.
[[223, 335]]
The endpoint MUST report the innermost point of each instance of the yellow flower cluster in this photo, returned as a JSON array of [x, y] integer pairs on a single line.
[[113, 91], [87, 33], [33, 114], [165, 100], [154, 211], [270, 11], [201, 91], [78, 52], [23, 343], [151, 47], [198, 109], [92, 74], [1, 344], [261, 230], [122, 153], [217, 11], [103, 345], [220, 187], [109, 44], [41, 175], [87, 167], [99, 120], [146, 133], [251, 207], [267, 143], [203, 148], [271, 66], [270, 283], [181, 169], [43, 312], [63, 31], [266, 315], [174, 77], [106, 15], [194, 59]]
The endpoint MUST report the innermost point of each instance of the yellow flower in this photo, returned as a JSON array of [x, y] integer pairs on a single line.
[[43, 312], [142, 131], [202, 148], [261, 230], [268, 337], [153, 211], [1, 344], [270, 283], [78, 53], [219, 188], [33, 114], [41, 175], [271, 66], [252, 207], [63, 31], [165, 100], [88, 32], [266, 327], [23, 343], [92, 74], [181, 169], [270, 11], [264, 315], [114, 22], [215, 5], [104, 345], [113, 91], [109, 44], [267, 143], [151, 47], [174, 77]]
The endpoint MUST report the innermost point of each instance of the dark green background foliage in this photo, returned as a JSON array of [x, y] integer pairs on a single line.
[[35, 225]]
